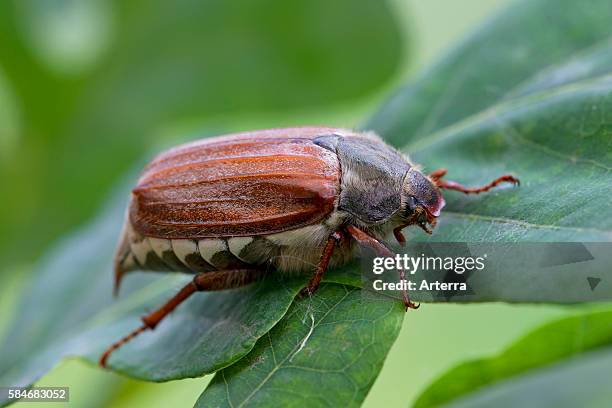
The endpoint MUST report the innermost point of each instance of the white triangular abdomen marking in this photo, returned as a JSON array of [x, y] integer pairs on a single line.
[[141, 249], [210, 247], [184, 247], [237, 244], [159, 246]]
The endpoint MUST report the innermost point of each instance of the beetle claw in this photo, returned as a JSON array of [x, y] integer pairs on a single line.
[[305, 292], [411, 305]]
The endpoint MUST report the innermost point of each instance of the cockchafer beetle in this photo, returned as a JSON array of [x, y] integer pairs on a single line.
[[227, 208]]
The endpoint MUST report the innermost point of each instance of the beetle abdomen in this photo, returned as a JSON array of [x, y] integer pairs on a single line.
[[295, 250], [186, 255]]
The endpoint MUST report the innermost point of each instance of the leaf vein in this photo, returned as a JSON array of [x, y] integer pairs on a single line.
[[277, 366]]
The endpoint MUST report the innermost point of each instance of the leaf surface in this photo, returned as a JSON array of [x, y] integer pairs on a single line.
[[563, 363], [73, 315], [513, 98], [509, 51], [326, 351]]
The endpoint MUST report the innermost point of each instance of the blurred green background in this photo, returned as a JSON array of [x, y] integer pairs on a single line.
[[90, 88]]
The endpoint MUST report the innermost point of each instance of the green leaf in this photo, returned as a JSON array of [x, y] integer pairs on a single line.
[[526, 40], [326, 351], [514, 98], [213, 331], [563, 363], [517, 99], [585, 64], [556, 142], [67, 311]]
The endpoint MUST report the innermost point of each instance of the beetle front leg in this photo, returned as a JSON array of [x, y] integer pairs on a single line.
[[207, 281], [365, 239], [326, 255], [436, 177]]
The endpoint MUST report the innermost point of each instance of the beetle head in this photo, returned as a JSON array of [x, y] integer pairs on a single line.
[[422, 200]]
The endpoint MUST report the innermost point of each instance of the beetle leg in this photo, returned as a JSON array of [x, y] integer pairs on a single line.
[[365, 239], [437, 175], [207, 281], [397, 233], [328, 251]]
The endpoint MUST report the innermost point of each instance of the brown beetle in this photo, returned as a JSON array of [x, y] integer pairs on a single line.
[[228, 208]]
